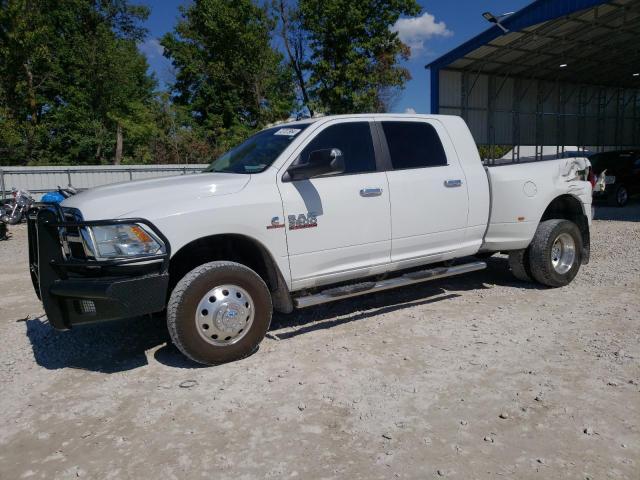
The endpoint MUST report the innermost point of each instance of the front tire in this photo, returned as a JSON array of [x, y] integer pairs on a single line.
[[219, 312], [555, 254], [14, 219]]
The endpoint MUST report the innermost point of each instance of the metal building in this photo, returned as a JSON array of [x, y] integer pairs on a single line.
[[566, 72]]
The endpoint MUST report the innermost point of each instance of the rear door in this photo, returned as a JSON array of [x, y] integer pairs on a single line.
[[429, 201], [338, 226]]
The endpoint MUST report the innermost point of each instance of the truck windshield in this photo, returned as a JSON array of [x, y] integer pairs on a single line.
[[258, 152]]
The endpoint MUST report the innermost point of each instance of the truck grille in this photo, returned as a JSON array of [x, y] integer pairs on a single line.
[[72, 243]]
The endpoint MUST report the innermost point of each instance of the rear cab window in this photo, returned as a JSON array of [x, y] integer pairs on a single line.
[[413, 145]]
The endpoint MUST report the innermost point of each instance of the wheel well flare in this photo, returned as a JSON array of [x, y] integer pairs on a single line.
[[230, 247], [234, 248], [568, 207]]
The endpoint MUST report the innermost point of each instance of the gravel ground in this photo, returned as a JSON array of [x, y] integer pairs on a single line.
[[478, 376]]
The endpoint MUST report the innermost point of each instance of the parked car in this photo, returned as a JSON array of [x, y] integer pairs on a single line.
[[622, 175], [302, 214]]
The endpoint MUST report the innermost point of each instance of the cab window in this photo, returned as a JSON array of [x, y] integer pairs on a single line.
[[353, 139], [413, 145]]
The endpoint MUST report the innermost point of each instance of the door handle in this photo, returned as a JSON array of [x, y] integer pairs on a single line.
[[452, 183], [371, 192]]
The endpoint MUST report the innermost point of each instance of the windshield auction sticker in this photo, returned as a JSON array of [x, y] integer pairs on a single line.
[[289, 132]]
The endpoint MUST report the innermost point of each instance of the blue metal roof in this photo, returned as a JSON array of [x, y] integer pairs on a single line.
[[534, 13]]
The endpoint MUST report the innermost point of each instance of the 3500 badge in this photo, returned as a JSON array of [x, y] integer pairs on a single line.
[[302, 221]]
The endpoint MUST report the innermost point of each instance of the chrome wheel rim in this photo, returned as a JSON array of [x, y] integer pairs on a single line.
[[224, 315], [563, 253], [622, 195]]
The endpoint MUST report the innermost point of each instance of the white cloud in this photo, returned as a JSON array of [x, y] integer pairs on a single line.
[[414, 31], [151, 48], [410, 110]]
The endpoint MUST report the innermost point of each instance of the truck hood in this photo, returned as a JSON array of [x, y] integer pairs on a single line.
[[132, 198]]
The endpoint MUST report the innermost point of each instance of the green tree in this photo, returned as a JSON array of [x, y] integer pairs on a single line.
[[26, 45], [73, 87], [107, 91], [228, 74], [178, 137], [355, 56], [294, 41]]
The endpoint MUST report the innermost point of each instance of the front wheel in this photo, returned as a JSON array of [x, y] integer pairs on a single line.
[[219, 312], [555, 254], [12, 217]]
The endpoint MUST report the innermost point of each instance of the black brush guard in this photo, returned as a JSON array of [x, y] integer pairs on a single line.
[[77, 291]]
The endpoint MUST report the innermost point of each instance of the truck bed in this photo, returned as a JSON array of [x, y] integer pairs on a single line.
[[520, 193]]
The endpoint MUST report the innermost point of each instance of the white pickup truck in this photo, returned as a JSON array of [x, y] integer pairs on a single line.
[[301, 214]]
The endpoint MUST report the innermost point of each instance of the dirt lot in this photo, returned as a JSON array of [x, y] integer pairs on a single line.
[[472, 377]]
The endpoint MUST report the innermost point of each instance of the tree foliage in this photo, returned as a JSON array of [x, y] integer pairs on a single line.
[[228, 74], [178, 138], [74, 88], [295, 42], [354, 54], [70, 78]]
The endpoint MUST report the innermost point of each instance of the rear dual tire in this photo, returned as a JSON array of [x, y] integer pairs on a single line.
[[519, 264], [554, 256]]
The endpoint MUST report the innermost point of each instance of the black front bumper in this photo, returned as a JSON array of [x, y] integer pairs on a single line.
[[77, 291]]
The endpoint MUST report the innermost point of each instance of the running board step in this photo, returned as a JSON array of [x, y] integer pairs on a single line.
[[338, 293]]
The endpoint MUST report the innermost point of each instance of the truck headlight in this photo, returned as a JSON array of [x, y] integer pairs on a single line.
[[124, 240]]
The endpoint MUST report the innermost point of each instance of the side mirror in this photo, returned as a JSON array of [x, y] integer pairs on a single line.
[[321, 162]]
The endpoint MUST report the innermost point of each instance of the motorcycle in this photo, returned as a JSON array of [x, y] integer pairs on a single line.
[[16, 211]]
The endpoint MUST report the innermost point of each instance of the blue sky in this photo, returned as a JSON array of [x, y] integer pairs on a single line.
[[443, 25]]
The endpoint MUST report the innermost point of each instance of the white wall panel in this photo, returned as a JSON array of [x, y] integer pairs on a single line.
[[450, 84]]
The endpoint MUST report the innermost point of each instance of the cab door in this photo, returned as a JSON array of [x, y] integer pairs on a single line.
[[428, 192], [338, 226]]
